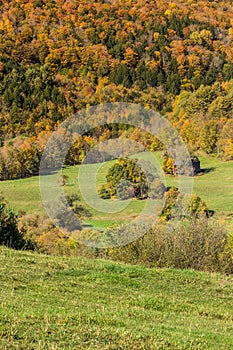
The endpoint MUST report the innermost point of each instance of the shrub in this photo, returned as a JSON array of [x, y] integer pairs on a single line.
[[104, 191], [78, 208], [198, 243], [48, 238], [157, 189], [63, 180], [227, 255], [197, 206], [10, 234], [171, 198], [168, 164], [68, 215], [55, 242]]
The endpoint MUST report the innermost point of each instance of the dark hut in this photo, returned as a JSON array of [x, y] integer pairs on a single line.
[[196, 164], [182, 170]]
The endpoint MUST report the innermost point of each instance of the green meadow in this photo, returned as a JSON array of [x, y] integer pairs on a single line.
[[66, 303], [214, 185]]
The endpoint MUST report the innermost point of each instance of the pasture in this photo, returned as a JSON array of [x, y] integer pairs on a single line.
[[52, 302], [214, 185]]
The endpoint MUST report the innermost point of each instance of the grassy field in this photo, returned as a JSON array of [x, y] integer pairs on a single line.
[[74, 303], [215, 186]]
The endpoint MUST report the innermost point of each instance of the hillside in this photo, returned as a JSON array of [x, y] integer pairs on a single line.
[[59, 57], [64, 58], [74, 303]]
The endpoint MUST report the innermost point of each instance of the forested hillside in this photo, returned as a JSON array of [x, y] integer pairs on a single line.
[[57, 57]]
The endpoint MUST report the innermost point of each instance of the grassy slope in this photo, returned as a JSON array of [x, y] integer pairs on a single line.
[[215, 187], [74, 303]]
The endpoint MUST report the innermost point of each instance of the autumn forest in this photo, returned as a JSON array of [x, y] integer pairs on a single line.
[[57, 57]]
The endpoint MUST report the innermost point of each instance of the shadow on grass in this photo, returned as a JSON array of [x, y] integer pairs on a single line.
[[206, 170], [86, 225]]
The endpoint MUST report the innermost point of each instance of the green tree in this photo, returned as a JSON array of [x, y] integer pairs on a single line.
[[10, 235], [130, 170], [228, 71], [121, 76], [209, 137], [173, 83]]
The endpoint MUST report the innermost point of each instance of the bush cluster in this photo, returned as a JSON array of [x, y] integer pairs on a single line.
[[197, 243]]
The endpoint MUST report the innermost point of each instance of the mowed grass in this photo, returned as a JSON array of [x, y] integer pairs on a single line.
[[75, 303], [214, 185]]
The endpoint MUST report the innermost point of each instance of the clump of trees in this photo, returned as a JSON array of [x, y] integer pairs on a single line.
[[20, 157], [38, 232], [193, 206], [204, 119], [127, 179]]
